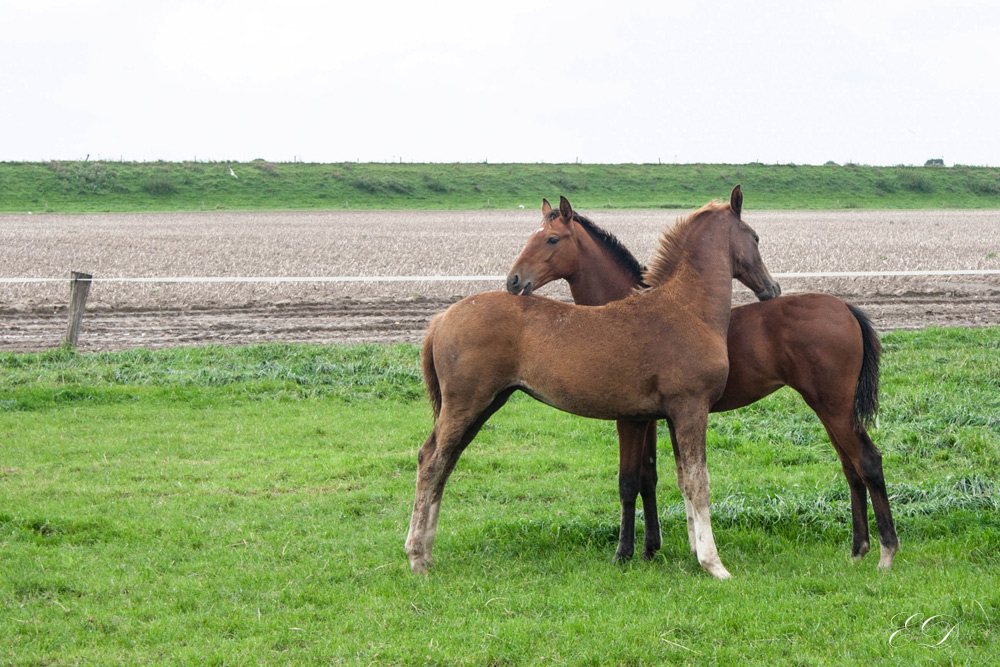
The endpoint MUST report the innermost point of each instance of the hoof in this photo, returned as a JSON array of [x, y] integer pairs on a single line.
[[419, 566], [621, 557], [649, 549], [860, 553], [717, 570], [885, 562]]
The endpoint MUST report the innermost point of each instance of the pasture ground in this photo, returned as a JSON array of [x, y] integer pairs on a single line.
[[248, 505]]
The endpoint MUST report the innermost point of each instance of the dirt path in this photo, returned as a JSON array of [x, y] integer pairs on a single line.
[[371, 320]]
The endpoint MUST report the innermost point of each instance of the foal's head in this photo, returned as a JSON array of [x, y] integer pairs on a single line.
[[550, 254], [748, 266], [744, 255]]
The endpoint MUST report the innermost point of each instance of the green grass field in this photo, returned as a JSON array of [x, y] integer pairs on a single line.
[[226, 506], [192, 186]]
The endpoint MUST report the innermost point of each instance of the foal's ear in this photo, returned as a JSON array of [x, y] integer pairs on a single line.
[[546, 207], [736, 201], [565, 210]]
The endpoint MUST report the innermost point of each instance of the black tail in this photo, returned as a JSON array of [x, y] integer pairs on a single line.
[[866, 394]]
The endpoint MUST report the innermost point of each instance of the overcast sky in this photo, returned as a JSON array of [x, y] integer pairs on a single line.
[[865, 81]]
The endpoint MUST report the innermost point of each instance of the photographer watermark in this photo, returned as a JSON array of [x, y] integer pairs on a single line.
[[930, 632]]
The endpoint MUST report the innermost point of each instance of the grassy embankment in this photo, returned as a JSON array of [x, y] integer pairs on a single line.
[[191, 186], [249, 505]]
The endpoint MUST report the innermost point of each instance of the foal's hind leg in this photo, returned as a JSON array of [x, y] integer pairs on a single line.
[[637, 475], [434, 463], [860, 541], [454, 430], [871, 472], [866, 460]]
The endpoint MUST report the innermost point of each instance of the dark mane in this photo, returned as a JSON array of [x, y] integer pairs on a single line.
[[625, 259]]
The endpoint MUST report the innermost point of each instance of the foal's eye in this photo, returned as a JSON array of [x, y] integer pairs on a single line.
[[756, 239], [553, 240]]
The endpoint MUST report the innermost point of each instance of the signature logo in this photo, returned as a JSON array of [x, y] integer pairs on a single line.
[[930, 632]]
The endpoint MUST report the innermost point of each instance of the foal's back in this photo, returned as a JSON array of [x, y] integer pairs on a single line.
[[621, 360]]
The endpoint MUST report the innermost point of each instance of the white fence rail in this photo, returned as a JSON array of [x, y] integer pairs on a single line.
[[398, 279]]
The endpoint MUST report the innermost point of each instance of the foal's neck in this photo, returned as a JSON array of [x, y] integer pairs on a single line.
[[599, 277], [708, 273]]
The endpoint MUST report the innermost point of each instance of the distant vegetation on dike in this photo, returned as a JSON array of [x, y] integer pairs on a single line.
[[189, 186]]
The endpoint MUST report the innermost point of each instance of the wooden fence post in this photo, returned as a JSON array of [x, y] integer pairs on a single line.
[[79, 288]]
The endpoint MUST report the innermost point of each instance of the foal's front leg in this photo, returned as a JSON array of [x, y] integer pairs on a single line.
[[647, 489], [637, 475], [631, 439], [679, 464], [688, 429]]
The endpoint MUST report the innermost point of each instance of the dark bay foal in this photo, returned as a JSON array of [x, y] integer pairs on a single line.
[[817, 344]]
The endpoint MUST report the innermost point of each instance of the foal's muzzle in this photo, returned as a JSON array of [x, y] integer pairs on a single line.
[[769, 292], [516, 286]]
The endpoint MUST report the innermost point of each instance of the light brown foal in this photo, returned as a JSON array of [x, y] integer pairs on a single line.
[[817, 344], [659, 354]]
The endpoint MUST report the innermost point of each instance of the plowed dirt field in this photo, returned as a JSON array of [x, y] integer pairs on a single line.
[[429, 244]]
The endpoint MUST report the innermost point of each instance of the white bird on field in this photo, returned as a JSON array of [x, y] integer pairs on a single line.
[[233, 174]]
